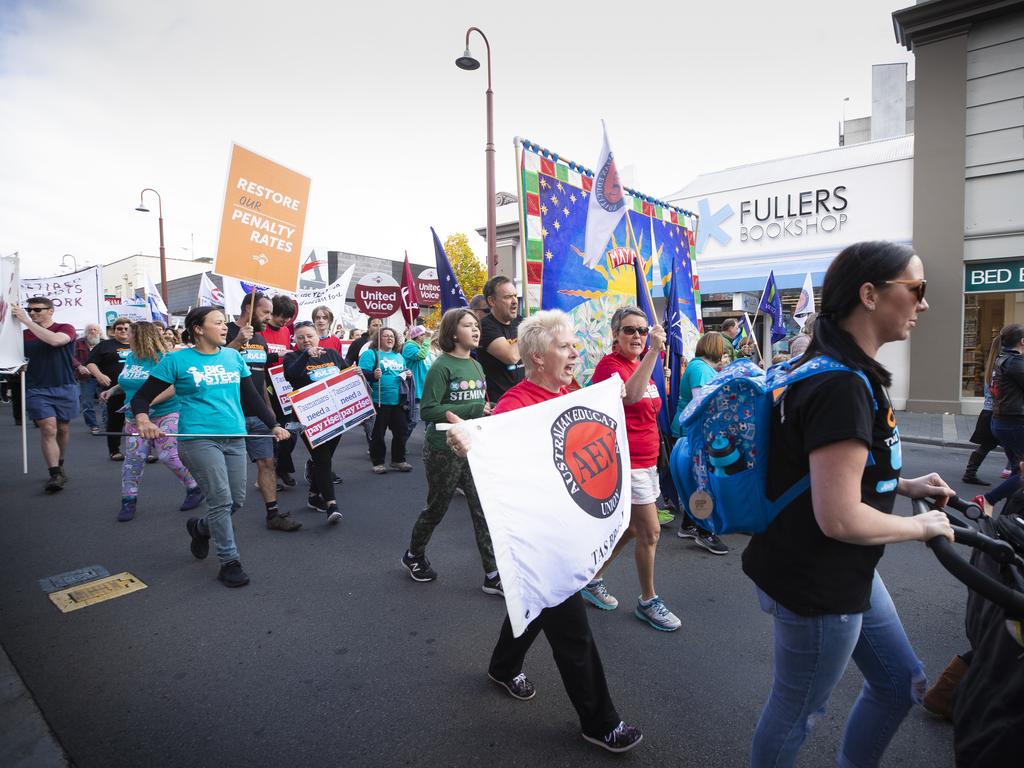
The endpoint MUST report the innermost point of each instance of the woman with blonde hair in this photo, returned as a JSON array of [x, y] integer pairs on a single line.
[[148, 345]]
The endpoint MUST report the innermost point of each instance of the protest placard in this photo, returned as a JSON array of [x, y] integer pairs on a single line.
[[332, 406], [378, 295], [12, 349], [76, 296], [332, 297], [261, 226], [429, 288], [281, 387], [134, 312]]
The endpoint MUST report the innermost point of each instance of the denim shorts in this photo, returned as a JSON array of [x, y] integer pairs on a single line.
[[60, 403], [260, 448]]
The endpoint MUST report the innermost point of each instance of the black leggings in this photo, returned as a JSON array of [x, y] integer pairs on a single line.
[[115, 422], [322, 480], [391, 417]]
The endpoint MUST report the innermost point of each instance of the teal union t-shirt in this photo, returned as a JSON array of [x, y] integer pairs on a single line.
[[133, 376], [391, 365], [208, 388]]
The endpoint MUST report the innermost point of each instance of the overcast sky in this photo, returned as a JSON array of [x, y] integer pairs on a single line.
[[104, 97]]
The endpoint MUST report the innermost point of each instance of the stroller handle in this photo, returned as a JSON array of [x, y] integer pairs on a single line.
[[995, 591]]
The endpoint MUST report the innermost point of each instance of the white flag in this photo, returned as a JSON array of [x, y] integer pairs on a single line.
[[209, 294], [606, 208], [156, 301], [332, 297], [555, 513], [12, 349], [804, 304]]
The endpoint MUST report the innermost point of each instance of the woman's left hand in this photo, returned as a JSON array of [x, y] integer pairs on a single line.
[[930, 485]]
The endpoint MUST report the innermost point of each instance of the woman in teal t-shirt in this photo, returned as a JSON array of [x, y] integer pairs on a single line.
[[386, 371], [148, 346], [706, 363]]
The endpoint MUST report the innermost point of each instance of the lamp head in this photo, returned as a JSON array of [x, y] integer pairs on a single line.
[[467, 62], [142, 208]]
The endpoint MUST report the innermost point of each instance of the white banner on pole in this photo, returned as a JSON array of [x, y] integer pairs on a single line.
[[76, 297], [332, 297], [12, 346], [556, 513]]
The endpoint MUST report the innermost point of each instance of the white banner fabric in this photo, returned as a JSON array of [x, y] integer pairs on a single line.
[[12, 347], [76, 296], [556, 512], [332, 297]]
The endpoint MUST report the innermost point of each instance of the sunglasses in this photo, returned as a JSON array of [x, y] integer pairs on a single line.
[[304, 324], [38, 309], [917, 287], [634, 330]]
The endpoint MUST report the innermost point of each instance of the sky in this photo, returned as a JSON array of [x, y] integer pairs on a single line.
[[102, 98]]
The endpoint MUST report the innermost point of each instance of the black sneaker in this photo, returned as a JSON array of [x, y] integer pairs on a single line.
[[316, 502], [335, 479], [519, 687], [333, 513], [493, 586], [418, 567], [711, 543], [232, 575], [622, 738], [286, 479], [283, 522], [55, 483], [688, 531], [200, 545]]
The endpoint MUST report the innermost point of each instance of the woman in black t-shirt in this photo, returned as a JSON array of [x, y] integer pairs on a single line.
[[105, 364], [814, 566]]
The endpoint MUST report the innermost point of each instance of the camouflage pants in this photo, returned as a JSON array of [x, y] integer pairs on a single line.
[[445, 472]]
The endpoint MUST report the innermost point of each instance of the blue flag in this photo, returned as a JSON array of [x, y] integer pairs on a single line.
[[674, 329], [646, 304], [451, 292], [771, 304], [746, 332]]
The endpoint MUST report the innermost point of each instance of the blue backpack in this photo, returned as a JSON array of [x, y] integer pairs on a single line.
[[720, 465]]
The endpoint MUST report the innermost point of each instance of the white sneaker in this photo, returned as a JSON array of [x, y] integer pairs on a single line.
[[596, 593], [657, 615]]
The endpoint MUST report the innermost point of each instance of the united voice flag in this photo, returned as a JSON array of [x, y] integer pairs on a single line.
[[410, 298], [451, 292], [771, 304], [646, 304], [556, 514], [606, 208], [209, 294]]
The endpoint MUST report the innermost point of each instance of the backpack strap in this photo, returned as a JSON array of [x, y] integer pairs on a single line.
[[821, 364]]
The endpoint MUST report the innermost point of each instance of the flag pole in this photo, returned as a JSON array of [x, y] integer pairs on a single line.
[[24, 425], [630, 236], [753, 335], [522, 225]]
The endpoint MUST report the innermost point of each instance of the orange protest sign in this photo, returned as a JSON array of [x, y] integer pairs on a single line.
[[261, 228]]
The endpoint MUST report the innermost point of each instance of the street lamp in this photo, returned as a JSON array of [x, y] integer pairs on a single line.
[[468, 62], [74, 262], [163, 259]]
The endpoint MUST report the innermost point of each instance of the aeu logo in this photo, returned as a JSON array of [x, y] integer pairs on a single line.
[[586, 455]]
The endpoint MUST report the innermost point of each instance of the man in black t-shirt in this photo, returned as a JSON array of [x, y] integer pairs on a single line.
[[356, 347], [498, 352], [246, 337], [105, 364]]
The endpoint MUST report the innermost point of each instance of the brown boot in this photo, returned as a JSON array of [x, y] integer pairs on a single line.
[[939, 698]]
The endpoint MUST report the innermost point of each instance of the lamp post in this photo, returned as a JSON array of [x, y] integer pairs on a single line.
[[468, 62], [163, 258], [74, 262]]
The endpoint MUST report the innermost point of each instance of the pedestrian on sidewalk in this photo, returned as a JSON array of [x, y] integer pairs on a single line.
[[982, 436], [105, 364], [51, 390], [454, 384], [211, 382], [91, 404], [547, 345], [148, 347]]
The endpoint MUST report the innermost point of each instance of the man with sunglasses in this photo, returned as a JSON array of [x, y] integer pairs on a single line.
[[498, 352], [51, 390]]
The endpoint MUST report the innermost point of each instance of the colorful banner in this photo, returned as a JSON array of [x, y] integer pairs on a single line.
[[282, 389], [330, 407], [572, 490], [554, 209], [77, 298], [261, 227], [12, 349], [134, 312]]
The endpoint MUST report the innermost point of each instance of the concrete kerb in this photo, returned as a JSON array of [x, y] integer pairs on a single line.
[[938, 442], [26, 740]]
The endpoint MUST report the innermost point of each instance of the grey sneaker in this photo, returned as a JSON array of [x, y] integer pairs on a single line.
[[657, 615], [712, 544], [688, 531], [596, 593]]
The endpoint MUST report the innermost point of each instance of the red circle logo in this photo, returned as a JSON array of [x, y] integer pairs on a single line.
[[586, 455]]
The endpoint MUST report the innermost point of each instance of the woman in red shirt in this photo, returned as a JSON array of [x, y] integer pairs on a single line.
[[642, 403], [547, 346]]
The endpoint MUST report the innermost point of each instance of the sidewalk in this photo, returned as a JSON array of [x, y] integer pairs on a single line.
[[25, 739], [945, 429]]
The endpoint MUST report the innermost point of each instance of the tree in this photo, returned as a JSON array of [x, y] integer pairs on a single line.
[[467, 268]]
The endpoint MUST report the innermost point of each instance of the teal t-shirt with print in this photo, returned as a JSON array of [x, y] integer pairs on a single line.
[[208, 388], [698, 373], [133, 376], [391, 364]]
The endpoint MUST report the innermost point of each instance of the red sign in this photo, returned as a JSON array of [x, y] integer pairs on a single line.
[[378, 295], [429, 288]]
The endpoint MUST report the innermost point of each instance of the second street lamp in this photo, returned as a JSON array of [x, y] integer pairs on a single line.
[[468, 62], [163, 258]]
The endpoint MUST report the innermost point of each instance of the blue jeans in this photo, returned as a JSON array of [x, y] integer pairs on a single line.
[[1010, 435], [93, 409], [218, 465], [810, 656]]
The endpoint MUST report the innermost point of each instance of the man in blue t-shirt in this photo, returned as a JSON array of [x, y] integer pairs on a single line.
[[51, 389]]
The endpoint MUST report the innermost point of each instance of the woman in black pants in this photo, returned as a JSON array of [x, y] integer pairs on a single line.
[[105, 364], [309, 363]]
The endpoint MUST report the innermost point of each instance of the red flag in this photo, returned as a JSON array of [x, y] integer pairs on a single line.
[[410, 299]]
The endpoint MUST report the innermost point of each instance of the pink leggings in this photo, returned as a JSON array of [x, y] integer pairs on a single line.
[[138, 449]]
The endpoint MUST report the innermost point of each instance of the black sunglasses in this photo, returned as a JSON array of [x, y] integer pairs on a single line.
[[917, 287], [635, 330], [38, 309], [304, 324]]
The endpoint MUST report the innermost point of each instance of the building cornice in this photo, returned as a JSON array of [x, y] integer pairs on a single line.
[[936, 20]]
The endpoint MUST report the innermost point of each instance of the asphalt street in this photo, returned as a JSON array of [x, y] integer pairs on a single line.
[[333, 656]]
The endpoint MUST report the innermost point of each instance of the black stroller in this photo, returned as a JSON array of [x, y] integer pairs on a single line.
[[988, 709]]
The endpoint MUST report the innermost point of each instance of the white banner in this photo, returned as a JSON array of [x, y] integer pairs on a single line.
[[133, 312], [12, 347], [76, 297], [332, 297], [556, 513]]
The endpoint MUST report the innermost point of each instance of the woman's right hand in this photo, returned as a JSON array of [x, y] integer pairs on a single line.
[[934, 523], [377, 373], [458, 436], [147, 429]]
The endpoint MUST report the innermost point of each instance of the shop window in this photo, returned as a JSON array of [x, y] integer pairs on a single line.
[[984, 315]]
